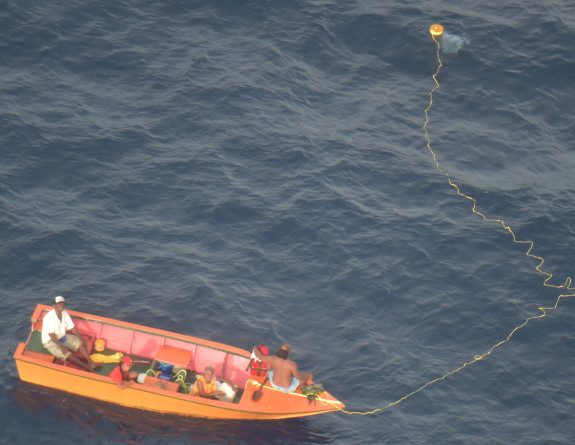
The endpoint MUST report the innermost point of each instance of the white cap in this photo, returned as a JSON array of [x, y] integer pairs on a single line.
[[59, 299]]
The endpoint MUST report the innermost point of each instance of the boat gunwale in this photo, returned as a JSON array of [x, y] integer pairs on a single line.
[[40, 308]]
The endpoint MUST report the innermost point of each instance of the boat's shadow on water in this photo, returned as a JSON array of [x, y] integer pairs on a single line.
[[118, 423]]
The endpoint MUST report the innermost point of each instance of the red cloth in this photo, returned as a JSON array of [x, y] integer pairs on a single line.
[[259, 368], [117, 375]]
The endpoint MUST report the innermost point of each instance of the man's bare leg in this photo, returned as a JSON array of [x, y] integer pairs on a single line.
[[306, 379], [78, 362], [85, 354]]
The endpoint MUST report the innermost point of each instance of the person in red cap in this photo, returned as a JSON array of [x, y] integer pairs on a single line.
[[122, 375]]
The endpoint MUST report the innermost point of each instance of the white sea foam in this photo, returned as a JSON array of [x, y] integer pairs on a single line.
[[452, 44]]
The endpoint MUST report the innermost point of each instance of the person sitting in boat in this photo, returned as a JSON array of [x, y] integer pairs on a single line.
[[55, 339], [122, 375], [213, 387], [284, 374]]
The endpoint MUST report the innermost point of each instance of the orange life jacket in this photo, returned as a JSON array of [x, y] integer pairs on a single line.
[[209, 388]]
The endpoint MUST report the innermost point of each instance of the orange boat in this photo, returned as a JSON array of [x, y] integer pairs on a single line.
[[152, 349]]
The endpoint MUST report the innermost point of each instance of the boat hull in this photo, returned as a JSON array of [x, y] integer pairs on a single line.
[[40, 369]]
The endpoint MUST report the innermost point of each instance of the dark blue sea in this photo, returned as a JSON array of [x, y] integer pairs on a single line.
[[258, 172]]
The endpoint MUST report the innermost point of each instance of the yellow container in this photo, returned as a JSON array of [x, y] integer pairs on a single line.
[[100, 345]]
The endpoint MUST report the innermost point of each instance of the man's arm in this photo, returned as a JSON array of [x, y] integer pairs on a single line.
[[301, 376], [123, 384], [57, 341], [70, 326], [264, 358], [209, 395], [116, 376], [76, 332]]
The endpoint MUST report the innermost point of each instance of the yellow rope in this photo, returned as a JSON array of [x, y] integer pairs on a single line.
[[322, 401], [566, 285]]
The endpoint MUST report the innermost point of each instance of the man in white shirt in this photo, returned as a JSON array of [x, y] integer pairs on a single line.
[[55, 339]]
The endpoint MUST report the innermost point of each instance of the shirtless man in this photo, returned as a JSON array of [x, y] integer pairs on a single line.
[[284, 374]]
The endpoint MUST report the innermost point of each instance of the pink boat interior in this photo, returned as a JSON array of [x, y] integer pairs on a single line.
[[145, 345]]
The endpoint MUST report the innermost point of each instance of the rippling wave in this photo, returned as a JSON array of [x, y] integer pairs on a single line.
[[258, 172]]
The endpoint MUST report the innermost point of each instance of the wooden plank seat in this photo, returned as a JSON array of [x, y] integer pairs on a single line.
[[155, 382], [35, 348], [39, 355], [174, 356]]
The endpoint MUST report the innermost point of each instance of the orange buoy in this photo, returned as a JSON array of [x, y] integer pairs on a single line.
[[436, 31]]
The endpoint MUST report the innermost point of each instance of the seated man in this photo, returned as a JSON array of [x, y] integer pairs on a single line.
[[54, 338], [207, 386], [121, 374], [284, 374]]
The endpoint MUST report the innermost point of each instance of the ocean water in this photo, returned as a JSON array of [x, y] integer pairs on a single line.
[[258, 172]]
